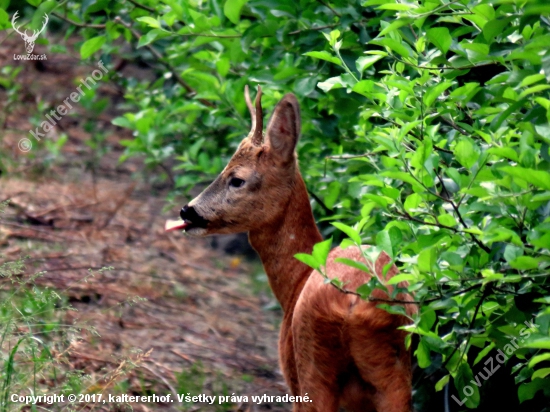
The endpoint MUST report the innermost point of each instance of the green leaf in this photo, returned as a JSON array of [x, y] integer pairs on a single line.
[[332, 83], [440, 384], [394, 26], [321, 251], [434, 92], [351, 232], [512, 252], [223, 65], [92, 45], [332, 38], [465, 153], [541, 373], [393, 45], [393, 309], [440, 38], [389, 240], [484, 353], [405, 177], [308, 260], [151, 22], [396, 6], [412, 202], [447, 220], [232, 10], [365, 62], [463, 378], [38, 18], [151, 36], [525, 263], [364, 290], [333, 192], [495, 27], [426, 260], [364, 87], [537, 341], [534, 89], [538, 178], [538, 358], [506, 152], [402, 277], [354, 264], [484, 10], [423, 354], [482, 14], [527, 391], [4, 20], [498, 120], [324, 55], [529, 80]]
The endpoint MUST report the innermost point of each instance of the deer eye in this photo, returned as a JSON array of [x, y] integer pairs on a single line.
[[236, 182]]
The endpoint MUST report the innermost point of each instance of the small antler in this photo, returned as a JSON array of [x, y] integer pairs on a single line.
[[256, 133], [37, 32], [14, 26]]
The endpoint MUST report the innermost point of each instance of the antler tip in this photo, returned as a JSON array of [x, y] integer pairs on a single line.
[[258, 129]]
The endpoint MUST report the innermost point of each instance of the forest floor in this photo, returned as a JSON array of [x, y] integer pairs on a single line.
[[172, 314]]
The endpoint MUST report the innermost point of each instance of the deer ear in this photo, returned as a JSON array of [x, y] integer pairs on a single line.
[[283, 129]]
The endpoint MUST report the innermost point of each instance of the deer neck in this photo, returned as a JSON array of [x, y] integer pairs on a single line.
[[295, 232]]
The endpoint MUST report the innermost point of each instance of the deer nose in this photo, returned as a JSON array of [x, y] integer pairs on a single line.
[[189, 214], [184, 212]]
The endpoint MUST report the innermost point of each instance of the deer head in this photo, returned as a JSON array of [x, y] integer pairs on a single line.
[[256, 185], [29, 40]]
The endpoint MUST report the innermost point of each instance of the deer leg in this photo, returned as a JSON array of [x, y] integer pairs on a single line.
[[319, 360], [322, 395], [384, 363]]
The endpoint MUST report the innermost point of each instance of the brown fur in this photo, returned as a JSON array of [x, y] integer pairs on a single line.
[[338, 349]]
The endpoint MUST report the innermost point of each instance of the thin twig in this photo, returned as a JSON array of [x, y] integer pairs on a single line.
[[159, 376], [409, 302], [421, 132], [467, 67], [439, 225], [142, 6], [328, 211], [344, 157], [417, 16], [476, 310], [454, 126], [120, 202], [329, 7], [83, 25], [161, 60], [328, 26], [168, 173], [462, 222]]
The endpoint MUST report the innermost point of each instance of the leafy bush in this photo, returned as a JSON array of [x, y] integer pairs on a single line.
[[425, 129]]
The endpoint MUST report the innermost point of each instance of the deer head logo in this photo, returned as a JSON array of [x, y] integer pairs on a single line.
[[29, 40]]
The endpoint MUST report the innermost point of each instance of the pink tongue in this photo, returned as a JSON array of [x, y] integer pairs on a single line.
[[174, 225]]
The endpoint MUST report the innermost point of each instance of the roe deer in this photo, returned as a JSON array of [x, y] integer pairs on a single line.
[[338, 349]]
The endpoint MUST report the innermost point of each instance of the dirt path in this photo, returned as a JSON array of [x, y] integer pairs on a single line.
[[193, 306]]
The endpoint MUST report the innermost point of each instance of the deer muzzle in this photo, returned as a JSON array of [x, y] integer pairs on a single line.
[[193, 220]]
